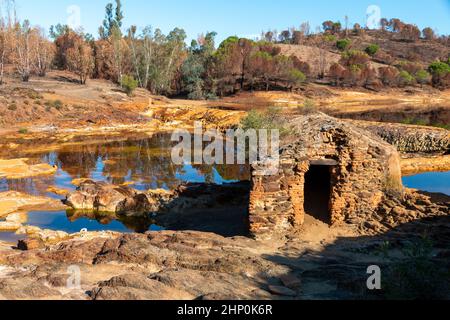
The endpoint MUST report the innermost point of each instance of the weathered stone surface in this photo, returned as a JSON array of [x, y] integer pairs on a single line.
[[30, 244], [291, 281], [99, 196], [282, 291], [195, 265], [362, 169], [409, 138], [136, 287], [12, 201]]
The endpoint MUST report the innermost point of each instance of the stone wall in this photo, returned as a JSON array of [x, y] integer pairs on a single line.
[[362, 168], [410, 138]]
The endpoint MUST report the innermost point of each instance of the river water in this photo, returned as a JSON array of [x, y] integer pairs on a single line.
[[146, 163]]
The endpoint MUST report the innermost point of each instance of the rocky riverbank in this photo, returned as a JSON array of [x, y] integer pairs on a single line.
[[318, 263]]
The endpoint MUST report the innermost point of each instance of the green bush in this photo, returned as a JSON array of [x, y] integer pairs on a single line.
[[343, 44], [129, 84], [297, 77], [57, 104], [23, 131], [439, 69], [405, 78], [416, 276], [330, 38], [422, 76], [372, 49], [269, 120]]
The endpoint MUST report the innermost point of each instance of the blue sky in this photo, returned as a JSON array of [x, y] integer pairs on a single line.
[[235, 17]]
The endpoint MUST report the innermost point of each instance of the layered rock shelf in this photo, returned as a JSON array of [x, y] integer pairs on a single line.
[[409, 138]]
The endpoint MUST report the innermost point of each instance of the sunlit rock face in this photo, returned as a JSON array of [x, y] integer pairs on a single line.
[[329, 169], [101, 197]]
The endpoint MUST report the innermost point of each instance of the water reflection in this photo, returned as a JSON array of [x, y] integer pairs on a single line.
[[145, 162], [72, 222]]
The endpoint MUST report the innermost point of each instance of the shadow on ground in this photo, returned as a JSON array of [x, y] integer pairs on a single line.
[[414, 259]]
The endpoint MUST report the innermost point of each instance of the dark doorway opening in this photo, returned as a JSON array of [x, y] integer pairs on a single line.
[[318, 192]]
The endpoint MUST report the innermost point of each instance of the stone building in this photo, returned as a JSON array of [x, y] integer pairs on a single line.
[[329, 169]]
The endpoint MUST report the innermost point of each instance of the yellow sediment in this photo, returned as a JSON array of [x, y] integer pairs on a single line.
[[11, 202], [18, 169], [412, 166]]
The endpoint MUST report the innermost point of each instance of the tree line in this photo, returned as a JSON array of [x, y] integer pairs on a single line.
[[165, 65]]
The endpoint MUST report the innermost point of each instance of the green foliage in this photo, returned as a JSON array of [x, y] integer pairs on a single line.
[[343, 44], [23, 131], [372, 49], [58, 30], [192, 70], [57, 104], [355, 68], [223, 47], [195, 66], [355, 57], [263, 55], [416, 275], [330, 38], [129, 84], [439, 69], [271, 119], [113, 20], [422, 76], [406, 78], [297, 77], [415, 121]]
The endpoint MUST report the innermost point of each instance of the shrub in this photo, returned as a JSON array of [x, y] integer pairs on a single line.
[[405, 78], [354, 57], [23, 131], [372, 49], [422, 77], [309, 106], [417, 275], [329, 38], [296, 77], [12, 107], [439, 68], [440, 71], [343, 44], [269, 120], [388, 75], [57, 104], [129, 84]]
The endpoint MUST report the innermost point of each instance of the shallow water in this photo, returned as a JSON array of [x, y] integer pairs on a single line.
[[438, 182], [145, 162]]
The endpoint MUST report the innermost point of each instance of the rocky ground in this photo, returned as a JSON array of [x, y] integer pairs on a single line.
[[408, 238], [318, 262]]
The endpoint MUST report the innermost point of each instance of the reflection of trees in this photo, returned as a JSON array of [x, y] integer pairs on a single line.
[[34, 186], [79, 161], [146, 161], [234, 172]]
